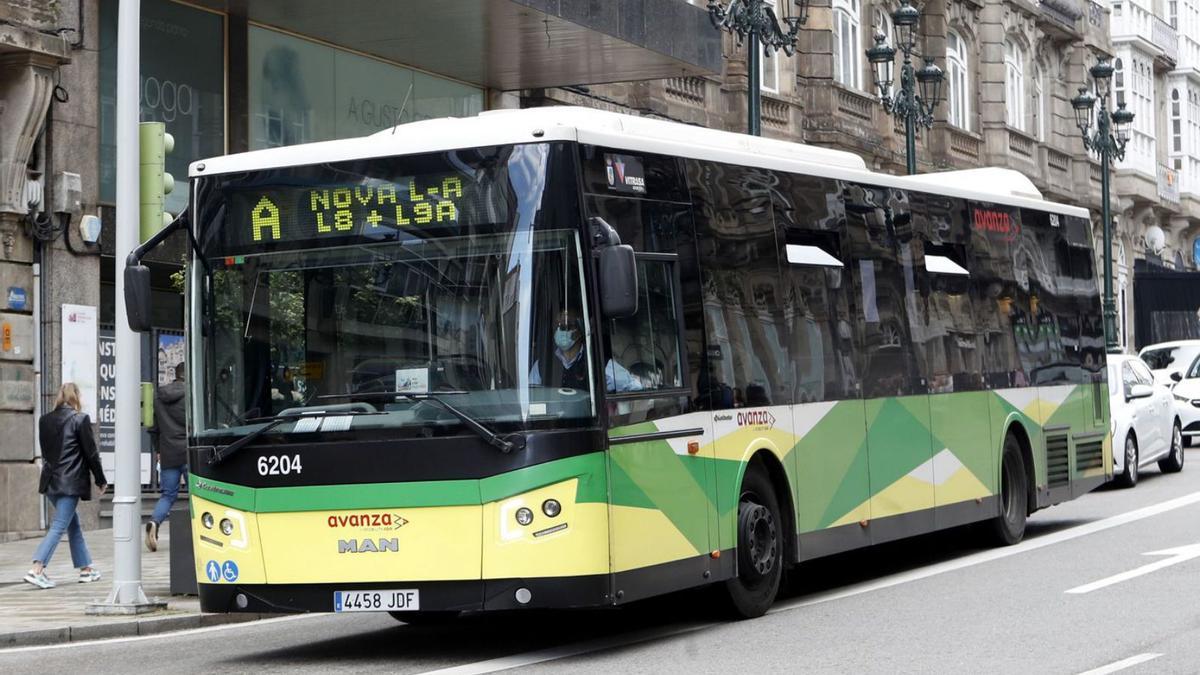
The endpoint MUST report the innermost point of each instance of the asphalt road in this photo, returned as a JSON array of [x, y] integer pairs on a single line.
[[944, 603]]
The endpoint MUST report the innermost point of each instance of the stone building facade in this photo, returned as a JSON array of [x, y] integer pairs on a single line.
[[1012, 67], [48, 129]]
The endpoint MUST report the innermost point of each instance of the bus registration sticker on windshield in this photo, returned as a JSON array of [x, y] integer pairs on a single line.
[[391, 600]]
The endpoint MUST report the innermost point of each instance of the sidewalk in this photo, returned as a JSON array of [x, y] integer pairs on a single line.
[[30, 616]]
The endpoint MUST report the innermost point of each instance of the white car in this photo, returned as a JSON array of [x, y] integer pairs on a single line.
[[1145, 427], [1167, 358], [1186, 390]]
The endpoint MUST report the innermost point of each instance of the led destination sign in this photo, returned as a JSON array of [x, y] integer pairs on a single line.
[[372, 209]]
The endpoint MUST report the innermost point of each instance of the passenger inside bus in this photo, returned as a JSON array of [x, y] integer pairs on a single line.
[[569, 367]]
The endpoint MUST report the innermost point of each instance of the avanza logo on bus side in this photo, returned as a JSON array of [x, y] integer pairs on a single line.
[[755, 418], [995, 224]]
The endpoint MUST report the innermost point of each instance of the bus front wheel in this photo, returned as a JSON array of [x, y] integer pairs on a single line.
[[1009, 527], [759, 547]]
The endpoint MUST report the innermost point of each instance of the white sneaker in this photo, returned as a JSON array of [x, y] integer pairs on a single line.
[[89, 576], [40, 579]]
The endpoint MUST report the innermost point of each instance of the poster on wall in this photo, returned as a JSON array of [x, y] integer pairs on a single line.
[[170, 354], [79, 352], [106, 414]]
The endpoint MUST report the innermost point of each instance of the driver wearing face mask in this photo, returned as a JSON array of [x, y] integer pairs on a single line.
[[572, 369]]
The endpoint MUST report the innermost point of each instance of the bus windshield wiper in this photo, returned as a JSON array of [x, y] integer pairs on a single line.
[[505, 444], [223, 453]]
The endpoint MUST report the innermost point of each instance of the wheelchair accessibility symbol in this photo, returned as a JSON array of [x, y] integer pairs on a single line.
[[229, 571]]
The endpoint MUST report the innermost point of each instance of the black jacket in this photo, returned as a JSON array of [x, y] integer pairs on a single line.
[[68, 454], [170, 422]]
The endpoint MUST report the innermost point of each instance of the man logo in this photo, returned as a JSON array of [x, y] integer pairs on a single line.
[[369, 545]]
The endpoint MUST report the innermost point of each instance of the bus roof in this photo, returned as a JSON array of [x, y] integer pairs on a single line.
[[629, 132]]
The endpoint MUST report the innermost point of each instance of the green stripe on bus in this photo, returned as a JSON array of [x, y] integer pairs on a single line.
[[588, 468], [218, 492], [368, 496]]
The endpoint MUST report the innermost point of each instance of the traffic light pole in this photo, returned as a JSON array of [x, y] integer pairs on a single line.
[[127, 596]]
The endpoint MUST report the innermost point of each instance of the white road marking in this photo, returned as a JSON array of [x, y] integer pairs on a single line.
[[580, 648], [169, 634], [1122, 664], [994, 554], [1178, 555]]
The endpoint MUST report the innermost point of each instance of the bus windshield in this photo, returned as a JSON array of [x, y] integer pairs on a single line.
[[320, 297]]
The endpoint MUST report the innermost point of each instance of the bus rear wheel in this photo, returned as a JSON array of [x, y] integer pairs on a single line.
[[759, 547], [1009, 527]]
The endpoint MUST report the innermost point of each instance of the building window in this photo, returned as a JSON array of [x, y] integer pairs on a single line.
[[1037, 107], [1173, 13], [1119, 80], [1014, 85], [847, 43], [958, 81], [1176, 122], [768, 65]]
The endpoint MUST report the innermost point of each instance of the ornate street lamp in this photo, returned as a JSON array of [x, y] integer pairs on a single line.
[[1112, 133], [756, 20], [919, 91]]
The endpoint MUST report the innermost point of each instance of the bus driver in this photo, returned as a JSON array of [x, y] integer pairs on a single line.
[[569, 354]]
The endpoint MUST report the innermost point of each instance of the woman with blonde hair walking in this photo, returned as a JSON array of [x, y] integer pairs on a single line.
[[68, 455]]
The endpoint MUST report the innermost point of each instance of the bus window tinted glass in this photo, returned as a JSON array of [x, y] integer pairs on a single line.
[[877, 219], [743, 295]]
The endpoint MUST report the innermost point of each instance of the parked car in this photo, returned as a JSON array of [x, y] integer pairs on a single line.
[[1167, 358], [1145, 426], [1186, 392]]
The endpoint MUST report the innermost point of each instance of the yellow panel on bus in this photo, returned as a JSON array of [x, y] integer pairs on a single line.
[[411, 544]]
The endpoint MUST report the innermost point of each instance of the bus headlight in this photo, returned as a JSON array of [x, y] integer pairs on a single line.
[[551, 508], [524, 516], [207, 520], [226, 527]]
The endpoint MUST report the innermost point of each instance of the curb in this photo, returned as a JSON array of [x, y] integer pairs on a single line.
[[136, 627]]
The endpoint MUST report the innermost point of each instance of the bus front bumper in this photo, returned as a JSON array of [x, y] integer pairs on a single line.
[[435, 596]]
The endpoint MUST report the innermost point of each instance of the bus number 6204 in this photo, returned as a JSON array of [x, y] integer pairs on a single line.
[[278, 465]]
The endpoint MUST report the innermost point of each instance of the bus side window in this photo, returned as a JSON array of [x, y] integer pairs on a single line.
[[747, 363]]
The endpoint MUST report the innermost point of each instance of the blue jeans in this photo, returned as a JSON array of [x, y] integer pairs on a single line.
[[65, 520], [168, 482]]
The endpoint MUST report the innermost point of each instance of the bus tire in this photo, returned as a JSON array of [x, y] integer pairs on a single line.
[[1129, 477], [759, 547], [1008, 527], [425, 618], [1173, 462]]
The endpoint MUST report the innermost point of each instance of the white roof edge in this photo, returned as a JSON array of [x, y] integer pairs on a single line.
[[589, 125]]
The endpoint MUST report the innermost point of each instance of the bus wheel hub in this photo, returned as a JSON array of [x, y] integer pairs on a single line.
[[757, 527]]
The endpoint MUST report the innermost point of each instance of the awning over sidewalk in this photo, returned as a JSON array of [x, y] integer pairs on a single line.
[[510, 44]]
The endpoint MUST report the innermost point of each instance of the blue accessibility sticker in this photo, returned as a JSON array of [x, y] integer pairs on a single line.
[[212, 571], [229, 571]]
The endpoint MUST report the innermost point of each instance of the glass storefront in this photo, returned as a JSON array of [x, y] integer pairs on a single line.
[[182, 85], [302, 91], [299, 90]]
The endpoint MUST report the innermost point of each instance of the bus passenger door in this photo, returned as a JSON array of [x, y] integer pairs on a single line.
[[886, 286], [829, 418], [662, 514]]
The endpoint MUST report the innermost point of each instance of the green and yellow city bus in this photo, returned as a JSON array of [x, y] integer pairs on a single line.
[[569, 358]]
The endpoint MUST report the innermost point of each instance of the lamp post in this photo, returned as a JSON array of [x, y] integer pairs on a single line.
[[919, 91], [1112, 133], [756, 20]]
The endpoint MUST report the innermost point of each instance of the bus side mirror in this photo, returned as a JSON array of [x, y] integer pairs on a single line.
[[137, 297], [618, 282], [1176, 376]]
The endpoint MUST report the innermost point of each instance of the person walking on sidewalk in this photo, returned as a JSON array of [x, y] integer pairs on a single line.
[[69, 455], [169, 420]]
